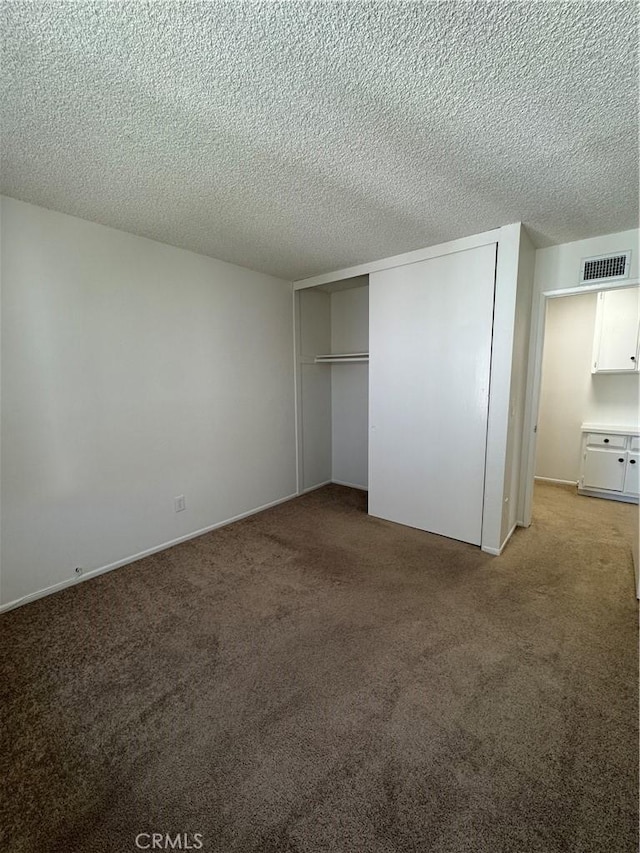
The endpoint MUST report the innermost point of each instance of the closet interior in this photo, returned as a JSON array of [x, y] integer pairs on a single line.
[[332, 323]]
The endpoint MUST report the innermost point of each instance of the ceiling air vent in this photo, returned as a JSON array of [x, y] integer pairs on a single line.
[[605, 268]]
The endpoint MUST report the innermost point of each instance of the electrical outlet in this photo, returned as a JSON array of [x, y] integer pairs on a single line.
[[179, 503]]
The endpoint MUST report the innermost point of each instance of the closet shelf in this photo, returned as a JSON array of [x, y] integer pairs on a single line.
[[344, 357]]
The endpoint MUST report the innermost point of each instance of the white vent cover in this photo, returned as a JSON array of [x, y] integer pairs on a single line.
[[605, 268]]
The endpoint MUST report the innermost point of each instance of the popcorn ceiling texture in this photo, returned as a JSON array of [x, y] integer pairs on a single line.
[[297, 138]]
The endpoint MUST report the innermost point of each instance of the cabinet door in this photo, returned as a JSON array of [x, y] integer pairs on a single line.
[[616, 336], [604, 469], [430, 331], [631, 479]]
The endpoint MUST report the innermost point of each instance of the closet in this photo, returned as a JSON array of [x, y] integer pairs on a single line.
[[411, 383], [333, 382]]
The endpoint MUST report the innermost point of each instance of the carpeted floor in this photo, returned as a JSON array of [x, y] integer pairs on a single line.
[[313, 679]]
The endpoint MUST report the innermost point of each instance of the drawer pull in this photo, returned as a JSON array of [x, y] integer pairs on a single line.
[[606, 441], [632, 461], [621, 459]]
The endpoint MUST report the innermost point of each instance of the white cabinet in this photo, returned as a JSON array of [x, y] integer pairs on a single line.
[[610, 464], [615, 345], [631, 480], [603, 469]]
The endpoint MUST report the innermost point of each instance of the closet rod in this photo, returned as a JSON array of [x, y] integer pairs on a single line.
[[341, 357]]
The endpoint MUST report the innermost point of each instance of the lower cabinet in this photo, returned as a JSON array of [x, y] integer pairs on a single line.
[[610, 465], [604, 469], [631, 480]]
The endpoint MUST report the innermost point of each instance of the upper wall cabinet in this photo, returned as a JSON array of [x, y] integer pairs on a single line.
[[615, 344]]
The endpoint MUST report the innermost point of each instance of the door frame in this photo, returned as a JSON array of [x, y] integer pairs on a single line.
[[538, 319]]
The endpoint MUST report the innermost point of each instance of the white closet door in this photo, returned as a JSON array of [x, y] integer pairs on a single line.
[[430, 330]]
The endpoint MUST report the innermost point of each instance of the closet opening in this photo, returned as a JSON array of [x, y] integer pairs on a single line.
[[332, 354]]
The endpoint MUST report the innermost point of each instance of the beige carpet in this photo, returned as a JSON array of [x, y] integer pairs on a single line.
[[313, 679]]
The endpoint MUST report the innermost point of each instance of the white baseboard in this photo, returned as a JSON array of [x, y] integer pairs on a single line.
[[350, 485], [608, 496], [334, 482], [317, 486], [49, 590], [553, 480], [495, 552]]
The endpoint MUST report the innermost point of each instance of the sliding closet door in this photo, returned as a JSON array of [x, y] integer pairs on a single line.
[[430, 328]]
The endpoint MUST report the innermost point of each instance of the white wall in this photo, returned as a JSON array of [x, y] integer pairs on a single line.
[[614, 400], [570, 394], [512, 509], [314, 387], [132, 372], [558, 267], [350, 387], [565, 385]]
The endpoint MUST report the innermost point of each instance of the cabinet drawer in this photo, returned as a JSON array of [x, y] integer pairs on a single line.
[[598, 439], [635, 443]]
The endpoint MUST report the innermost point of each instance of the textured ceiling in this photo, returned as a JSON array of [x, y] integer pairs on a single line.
[[297, 138]]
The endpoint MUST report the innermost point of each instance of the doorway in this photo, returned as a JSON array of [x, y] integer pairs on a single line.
[[587, 438]]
